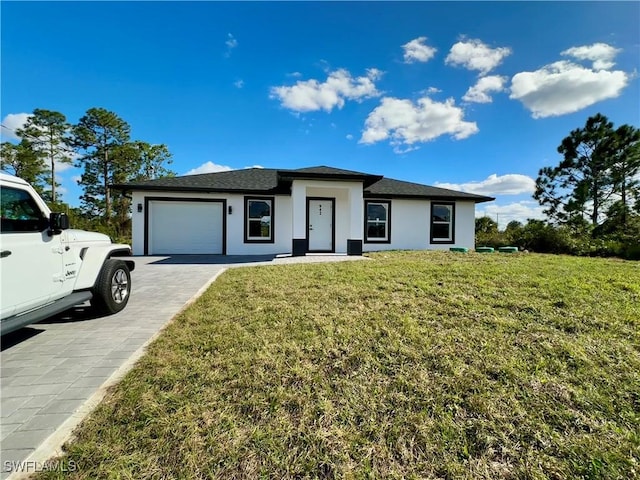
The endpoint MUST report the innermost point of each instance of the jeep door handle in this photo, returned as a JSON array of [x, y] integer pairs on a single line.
[[5, 253]]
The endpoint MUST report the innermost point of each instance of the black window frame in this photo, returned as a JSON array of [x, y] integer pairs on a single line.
[[366, 221], [452, 224], [247, 238]]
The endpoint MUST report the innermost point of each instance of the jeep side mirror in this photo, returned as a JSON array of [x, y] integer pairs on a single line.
[[58, 222]]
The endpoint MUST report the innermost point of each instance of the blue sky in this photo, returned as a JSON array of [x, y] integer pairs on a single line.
[[472, 96]]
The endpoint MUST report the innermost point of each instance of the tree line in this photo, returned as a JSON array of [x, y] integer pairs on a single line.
[[591, 198], [100, 143]]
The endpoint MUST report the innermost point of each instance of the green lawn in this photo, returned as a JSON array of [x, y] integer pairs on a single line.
[[410, 365]]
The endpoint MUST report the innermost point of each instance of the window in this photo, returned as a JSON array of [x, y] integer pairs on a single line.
[[20, 212], [378, 222], [258, 214], [442, 222]]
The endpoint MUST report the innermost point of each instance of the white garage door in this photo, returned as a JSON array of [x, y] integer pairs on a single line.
[[177, 227]]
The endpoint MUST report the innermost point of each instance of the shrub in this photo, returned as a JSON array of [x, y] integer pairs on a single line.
[[575, 239]]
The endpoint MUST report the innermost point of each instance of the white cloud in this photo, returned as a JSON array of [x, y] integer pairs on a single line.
[[61, 167], [418, 51], [238, 83], [324, 65], [208, 167], [13, 122], [405, 123], [479, 93], [349, 137], [475, 55], [510, 184], [312, 95], [600, 54], [433, 90], [565, 87], [519, 211], [231, 43], [401, 149]]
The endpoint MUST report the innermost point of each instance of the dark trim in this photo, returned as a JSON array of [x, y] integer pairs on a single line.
[[271, 239], [286, 191], [333, 224], [453, 224], [389, 196], [367, 179], [366, 203], [223, 201], [354, 247], [164, 188], [299, 247], [268, 181]]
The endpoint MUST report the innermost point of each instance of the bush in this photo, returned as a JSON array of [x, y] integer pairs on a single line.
[[491, 239], [540, 237], [118, 230], [581, 240]]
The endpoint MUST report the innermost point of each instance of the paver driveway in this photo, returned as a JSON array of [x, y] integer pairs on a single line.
[[50, 370]]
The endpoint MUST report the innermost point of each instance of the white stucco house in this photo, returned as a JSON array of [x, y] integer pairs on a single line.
[[319, 209]]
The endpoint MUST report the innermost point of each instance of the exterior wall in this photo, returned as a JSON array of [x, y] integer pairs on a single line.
[[410, 222], [465, 225], [411, 225], [137, 224], [235, 222]]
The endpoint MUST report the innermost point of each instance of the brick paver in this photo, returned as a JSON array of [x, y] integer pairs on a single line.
[[61, 362]]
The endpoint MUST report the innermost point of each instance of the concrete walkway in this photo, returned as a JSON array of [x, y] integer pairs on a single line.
[[55, 372]]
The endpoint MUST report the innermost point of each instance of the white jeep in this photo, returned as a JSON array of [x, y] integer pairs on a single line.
[[47, 268]]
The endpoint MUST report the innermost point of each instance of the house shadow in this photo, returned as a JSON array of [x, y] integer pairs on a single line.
[[213, 259]]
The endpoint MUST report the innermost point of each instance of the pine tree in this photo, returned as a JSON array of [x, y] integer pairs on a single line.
[[24, 161], [99, 135], [48, 133]]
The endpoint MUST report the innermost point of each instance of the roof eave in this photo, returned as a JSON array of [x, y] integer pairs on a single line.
[[165, 188], [448, 198], [368, 180], [482, 199]]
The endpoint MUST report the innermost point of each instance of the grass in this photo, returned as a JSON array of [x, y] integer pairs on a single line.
[[411, 365]]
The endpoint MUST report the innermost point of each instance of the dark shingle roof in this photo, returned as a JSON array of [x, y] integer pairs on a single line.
[[259, 180], [329, 173], [388, 187], [271, 181]]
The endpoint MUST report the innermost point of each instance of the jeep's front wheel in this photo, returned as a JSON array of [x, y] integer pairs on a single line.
[[112, 288]]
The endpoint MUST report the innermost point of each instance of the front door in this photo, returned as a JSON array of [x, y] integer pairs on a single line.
[[320, 221]]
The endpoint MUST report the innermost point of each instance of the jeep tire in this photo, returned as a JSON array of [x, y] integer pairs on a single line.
[[112, 288]]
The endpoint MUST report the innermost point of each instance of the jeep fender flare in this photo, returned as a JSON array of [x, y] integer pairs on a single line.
[[94, 257]]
